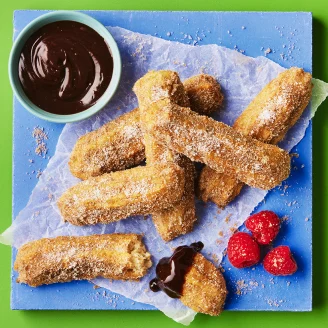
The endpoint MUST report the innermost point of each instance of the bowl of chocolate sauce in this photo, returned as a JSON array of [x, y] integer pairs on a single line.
[[64, 66]]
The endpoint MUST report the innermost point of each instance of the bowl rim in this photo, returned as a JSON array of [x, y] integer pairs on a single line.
[[37, 23]]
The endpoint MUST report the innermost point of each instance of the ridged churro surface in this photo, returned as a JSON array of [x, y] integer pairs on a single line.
[[204, 289], [153, 86], [267, 118], [63, 259], [219, 146], [114, 196]]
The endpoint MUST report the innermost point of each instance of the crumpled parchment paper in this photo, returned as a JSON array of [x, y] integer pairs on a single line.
[[241, 78]]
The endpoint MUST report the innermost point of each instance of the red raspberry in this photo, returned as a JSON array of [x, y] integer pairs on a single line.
[[243, 251], [264, 226], [280, 262]]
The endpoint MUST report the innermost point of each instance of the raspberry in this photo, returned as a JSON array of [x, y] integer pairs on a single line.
[[264, 226], [243, 251], [280, 262]]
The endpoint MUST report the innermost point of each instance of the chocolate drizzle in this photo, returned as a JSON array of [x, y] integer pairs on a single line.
[[171, 271]]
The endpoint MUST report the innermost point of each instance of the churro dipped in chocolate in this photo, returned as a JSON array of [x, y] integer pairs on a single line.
[[115, 196], [119, 144], [63, 259], [267, 118], [193, 279], [216, 144], [155, 85]]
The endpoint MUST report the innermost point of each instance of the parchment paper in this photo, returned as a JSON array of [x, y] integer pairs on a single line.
[[241, 78]]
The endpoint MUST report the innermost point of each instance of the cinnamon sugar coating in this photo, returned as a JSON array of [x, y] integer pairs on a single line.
[[204, 289], [115, 146], [153, 86], [277, 107], [267, 118], [220, 188], [119, 144], [114, 196], [216, 144], [63, 259], [179, 219], [156, 85], [204, 93]]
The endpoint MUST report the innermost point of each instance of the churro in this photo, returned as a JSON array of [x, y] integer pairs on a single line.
[[220, 188], [153, 86], [115, 146], [117, 195], [216, 144], [119, 144], [193, 279], [204, 93], [267, 118], [204, 289], [63, 259]]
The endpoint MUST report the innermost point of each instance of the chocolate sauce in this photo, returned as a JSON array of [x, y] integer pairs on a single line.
[[171, 271], [65, 67]]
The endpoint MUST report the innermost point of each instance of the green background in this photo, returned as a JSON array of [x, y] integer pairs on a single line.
[[317, 318]]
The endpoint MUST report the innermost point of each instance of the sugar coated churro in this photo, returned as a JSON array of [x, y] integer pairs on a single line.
[[204, 289], [267, 118], [116, 146], [193, 279], [63, 259], [119, 144], [277, 107], [153, 86], [114, 196], [219, 146], [219, 188], [204, 93]]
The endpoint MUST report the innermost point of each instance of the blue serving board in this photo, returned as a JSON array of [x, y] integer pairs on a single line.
[[289, 36]]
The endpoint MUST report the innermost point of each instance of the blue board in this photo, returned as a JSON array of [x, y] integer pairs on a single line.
[[289, 38]]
